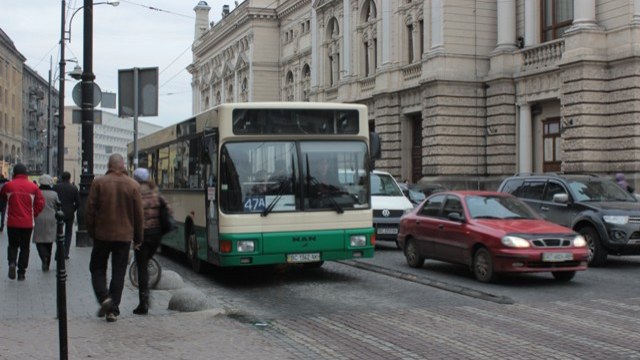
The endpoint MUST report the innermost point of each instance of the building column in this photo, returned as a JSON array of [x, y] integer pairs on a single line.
[[223, 90], [386, 32], [525, 139], [372, 56], [506, 25], [250, 85], [636, 12], [437, 12], [584, 14], [236, 93], [315, 64], [346, 38], [530, 19]]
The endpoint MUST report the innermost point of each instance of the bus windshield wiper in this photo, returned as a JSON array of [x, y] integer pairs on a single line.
[[272, 204], [333, 202]]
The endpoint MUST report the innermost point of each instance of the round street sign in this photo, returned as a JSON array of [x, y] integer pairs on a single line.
[[77, 94]]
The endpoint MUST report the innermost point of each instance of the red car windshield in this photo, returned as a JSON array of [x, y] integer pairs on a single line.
[[498, 207]]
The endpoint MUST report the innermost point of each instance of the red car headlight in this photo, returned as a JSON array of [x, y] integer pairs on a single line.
[[515, 242]]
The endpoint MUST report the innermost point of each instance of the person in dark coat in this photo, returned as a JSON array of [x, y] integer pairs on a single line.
[[70, 199], [114, 218], [24, 204], [151, 199], [44, 231]]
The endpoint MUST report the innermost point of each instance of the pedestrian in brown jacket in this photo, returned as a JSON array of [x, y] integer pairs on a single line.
[[114, 218]]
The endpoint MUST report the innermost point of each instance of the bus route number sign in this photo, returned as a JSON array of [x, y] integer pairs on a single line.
[[254, 203]]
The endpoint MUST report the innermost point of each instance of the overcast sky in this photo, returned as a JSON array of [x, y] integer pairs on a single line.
[[137, 33]]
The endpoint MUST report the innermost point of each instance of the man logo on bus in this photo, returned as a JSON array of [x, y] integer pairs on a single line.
[[303, 238]]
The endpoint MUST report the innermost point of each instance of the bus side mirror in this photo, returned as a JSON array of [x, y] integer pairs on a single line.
[[375, 148]]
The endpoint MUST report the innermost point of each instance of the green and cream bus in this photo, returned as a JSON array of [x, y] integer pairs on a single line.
[[266, 183]]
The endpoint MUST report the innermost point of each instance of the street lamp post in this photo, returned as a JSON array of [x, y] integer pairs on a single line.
[[61, 94], [86, 177]]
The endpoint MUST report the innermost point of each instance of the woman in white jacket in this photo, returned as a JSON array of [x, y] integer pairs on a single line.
[[45, 229]]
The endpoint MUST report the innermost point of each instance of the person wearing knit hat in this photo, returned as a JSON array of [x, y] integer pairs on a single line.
[[45, 229], [24, 204], [141, 174], [151, 200]]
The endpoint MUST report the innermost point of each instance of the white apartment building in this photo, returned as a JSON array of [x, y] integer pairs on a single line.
[[112, 136], [463, 92]]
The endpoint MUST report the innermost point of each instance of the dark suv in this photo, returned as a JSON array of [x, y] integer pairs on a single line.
[[604, 213]]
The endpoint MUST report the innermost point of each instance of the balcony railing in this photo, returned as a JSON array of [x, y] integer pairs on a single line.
[[332, 93], [542, 55], [368, 83], [412, 71]]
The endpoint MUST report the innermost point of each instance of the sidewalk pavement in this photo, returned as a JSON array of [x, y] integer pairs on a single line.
[[29, 328]]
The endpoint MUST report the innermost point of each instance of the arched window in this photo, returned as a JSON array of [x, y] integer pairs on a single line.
[[333, 52], [306, 82], [289, 86], [244, 90], [368, 28]]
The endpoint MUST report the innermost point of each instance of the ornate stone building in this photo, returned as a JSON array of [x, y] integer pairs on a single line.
[[461, 91], [39, 123], [11, 66]]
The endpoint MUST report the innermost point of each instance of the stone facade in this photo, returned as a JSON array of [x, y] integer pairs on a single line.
[[463, 92], [40, 104], [11, 67]]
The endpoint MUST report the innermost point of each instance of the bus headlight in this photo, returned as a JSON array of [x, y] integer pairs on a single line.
[[358, 240], [245, 246]]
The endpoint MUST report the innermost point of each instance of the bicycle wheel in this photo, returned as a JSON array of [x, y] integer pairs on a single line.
[[154, 273], [154, 269], [133, 273]]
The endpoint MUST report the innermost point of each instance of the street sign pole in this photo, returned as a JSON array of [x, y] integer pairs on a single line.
[[135, 117]]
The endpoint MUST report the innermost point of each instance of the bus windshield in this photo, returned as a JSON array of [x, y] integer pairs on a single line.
[[280, 176]]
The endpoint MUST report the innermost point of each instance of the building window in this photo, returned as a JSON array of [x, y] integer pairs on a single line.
[[552, 150], [410, 55], [108, 149], [368, 27], [289, 87], [333, 52], [306, 82], [557, 16]]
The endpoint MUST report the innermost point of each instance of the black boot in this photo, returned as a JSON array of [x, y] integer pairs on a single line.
[[143, 307]]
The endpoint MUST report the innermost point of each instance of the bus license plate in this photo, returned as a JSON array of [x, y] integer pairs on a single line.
[[383, 230], [557, 257], [302, 258]]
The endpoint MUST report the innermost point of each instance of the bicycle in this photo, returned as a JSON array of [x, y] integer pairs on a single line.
[[154, 269]]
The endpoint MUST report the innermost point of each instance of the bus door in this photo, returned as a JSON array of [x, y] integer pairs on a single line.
[[210, 159]]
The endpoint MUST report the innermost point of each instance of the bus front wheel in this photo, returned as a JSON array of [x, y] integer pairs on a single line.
[[192, 252]]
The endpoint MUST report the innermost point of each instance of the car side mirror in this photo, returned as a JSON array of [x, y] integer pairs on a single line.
[[455, 216], [561, 198]]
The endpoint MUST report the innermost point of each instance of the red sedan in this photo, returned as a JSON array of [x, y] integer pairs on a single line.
[[491, 232]]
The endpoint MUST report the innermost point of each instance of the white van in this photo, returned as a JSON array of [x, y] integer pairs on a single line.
[[389, 204]]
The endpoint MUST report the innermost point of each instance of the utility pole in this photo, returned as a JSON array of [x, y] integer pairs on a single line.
[[86, 178], [61, 94]]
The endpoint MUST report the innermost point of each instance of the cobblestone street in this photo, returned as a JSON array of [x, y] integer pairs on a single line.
[[581, 329]]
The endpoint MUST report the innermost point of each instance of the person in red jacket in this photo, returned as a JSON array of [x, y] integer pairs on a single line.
[[24, 203]]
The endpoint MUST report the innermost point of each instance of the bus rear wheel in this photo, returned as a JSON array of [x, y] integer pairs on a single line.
[[192, 252]]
